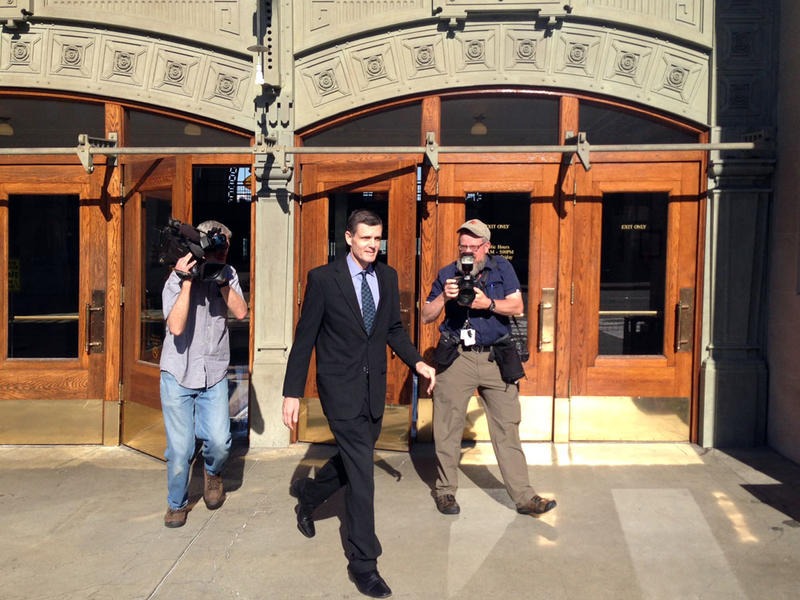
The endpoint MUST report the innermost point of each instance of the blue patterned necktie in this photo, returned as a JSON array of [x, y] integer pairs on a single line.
[[367, 303]]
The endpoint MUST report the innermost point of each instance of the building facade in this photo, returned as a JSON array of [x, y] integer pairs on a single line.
[[784, 278], [622, 152]]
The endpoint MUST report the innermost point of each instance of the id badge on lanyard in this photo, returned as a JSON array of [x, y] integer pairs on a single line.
[[467, 334]]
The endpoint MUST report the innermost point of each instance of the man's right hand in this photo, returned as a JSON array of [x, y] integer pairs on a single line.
[[450, 290], [184, 265], [291, 411]]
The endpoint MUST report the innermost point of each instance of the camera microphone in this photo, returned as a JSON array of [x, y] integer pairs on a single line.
[[186, 230]]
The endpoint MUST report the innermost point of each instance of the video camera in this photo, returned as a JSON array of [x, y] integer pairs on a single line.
[[177, 239], [466, 282]]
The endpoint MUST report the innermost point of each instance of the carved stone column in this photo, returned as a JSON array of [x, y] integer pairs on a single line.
[[273, 324], [274, 248], [733, 377], [733, 387]]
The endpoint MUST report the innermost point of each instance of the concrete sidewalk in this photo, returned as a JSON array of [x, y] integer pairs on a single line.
[[666, 521]]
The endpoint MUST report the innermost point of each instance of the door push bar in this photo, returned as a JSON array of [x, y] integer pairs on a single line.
[[95, 323], [547, 320], [684, 321]]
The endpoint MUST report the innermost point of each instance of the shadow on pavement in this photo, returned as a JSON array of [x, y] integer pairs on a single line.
[[783, 496]]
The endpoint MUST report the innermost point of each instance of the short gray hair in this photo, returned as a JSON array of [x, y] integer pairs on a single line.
[[207, 226]]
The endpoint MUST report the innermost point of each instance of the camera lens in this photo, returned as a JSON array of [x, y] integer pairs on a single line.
[[466, 283], [466, 291], [211, 271], [467, 260]]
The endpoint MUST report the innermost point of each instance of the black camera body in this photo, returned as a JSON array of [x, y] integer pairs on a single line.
[[466, 282], [177, 239]]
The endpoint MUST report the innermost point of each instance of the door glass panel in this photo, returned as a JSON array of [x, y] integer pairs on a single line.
[[508, 217], [340, 207], [44, 259], [148, 129], [222, 193], [37, 123], [218, 194], [633, 273], [398, 126], [493, 121], [606, 125], [156, 210]]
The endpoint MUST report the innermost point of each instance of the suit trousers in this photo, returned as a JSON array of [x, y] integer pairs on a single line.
[[472, 370], [352, 467]]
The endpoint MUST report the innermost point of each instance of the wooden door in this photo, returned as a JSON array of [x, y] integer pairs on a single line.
[[55, 226], [153, 192], [519, 203], [330, 191], [634, 301]]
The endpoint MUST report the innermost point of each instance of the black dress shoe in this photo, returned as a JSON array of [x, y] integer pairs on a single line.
[[305, 520], [305, 512], [370, 584]]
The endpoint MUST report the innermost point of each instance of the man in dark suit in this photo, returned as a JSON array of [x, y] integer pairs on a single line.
[[351, 310]]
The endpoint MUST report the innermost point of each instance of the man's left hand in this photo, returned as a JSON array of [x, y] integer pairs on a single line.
[[291, 411], [481, 301], [428, 372]]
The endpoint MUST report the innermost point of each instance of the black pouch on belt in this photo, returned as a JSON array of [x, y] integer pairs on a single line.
[[505, 354], [446, 351]]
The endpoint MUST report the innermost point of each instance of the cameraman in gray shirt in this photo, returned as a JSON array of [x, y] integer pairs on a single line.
[[194, 366]]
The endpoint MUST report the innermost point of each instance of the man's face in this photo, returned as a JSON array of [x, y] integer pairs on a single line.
[[473, 245], [365, 243], [477, 246]]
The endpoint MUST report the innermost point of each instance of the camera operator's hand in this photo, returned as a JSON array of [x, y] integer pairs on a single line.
[[184, 266], [179, 315], [481, 301], [451, 289]]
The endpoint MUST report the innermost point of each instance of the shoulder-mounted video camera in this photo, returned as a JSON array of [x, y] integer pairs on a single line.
[[177, 239]]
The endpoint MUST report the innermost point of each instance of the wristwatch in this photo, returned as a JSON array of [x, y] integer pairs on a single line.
[[491, 305]]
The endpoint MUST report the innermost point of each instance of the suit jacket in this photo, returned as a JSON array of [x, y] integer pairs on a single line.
[[351, 364]]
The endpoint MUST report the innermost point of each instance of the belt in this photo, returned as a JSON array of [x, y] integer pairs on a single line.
[[476, 348]]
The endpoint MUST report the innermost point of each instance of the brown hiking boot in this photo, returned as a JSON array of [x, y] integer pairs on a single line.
[[536, 506], [175, 517], [213, 490], [447, 505]]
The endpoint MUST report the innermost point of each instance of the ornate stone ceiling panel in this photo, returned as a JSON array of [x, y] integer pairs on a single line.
[[223, 23], [630, 66], [321, 22], [115, 64]]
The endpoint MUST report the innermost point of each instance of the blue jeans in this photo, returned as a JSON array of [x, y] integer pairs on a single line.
[[189, 414]]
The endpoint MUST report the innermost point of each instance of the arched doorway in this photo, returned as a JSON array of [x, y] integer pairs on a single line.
[[609, 258], [78, 353]]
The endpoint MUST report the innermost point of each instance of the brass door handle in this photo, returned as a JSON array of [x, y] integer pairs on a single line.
[[95, 323], [684, 321], [547, 320]]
